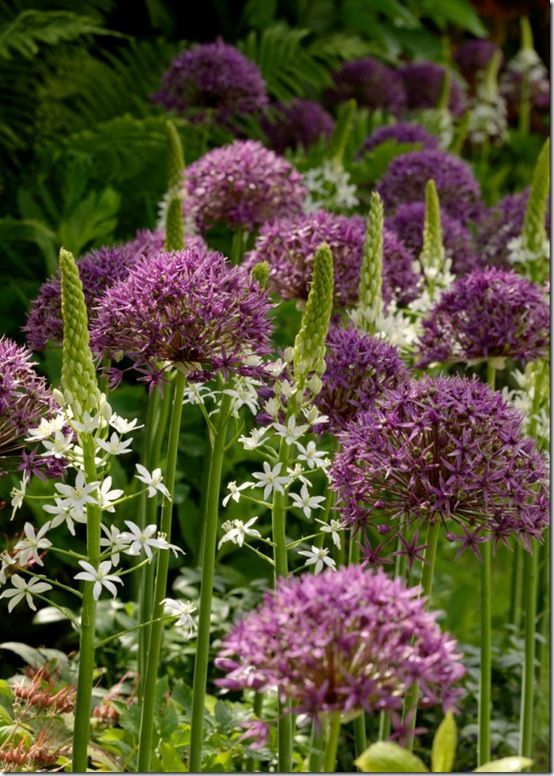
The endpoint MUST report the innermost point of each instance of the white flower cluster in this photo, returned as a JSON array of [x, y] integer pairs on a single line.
[[488, 119], [528, 65], [439, 122], [520, 253], [329, 187], [523, 398]]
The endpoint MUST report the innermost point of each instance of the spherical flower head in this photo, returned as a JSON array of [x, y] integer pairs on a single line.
[[458, 190], [24, 396], [423, 83], [443, 449], [242, 185], [289, 246], [408, 222], [212, 78], [297, 123], [489, 313], [358, 369], [473, 56], [189, 309], [402, 132], [371, 83], [342, 641]]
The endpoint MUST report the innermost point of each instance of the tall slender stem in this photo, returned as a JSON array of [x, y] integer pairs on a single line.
[[206, 591], [516, 587], [81, 729], [360, 735], [317, 745], [146, 734], [237, 246], [333, 733], [484, 704], [528, 689]]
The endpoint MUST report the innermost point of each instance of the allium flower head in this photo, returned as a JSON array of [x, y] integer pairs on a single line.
[[490, 313], [358, 369], [297, 123], [371, 83], [24, 397], [289, 245], [242, 185], [408, 222], [189, 308], [473, 56], [212, 77], [406, 176], [442, 449], [422, 85], [402, 132], [346, 640]]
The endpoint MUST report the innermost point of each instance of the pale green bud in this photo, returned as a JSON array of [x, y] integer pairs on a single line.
[[260, 273], [534, 232], [370, 301], [174, 228], [175, 158]]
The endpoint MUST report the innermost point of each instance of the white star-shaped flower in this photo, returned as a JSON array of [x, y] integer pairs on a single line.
[[290, 431], [318, 557], [18, 495], [142, 539], [314, 458], [106, 497], [244, 394], [305, 502], [24, 588], [100, 576], [154, 481], [63, 512], [59, 446], [271, 479], [184, 611], [114, 541], [46, 428], [122, 425], [28, 548], [254, 440], [79, 495], [234, 491], [236, 531], [332, 527], [115, 445]]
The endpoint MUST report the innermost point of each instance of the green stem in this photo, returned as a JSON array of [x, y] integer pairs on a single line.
[[317, 742], [257, 708], [360, 735], [333, 733], [156, 629], [528, 689], [237, 247], [430, 554], [516, 587], [81, 728], [484, 703], [206, 591]]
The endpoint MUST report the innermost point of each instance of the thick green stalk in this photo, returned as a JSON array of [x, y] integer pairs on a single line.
[[428, 567], [81, 729], [528, 689], [237, 246], [333, 733], [484, 703], [146, 734], [360, 735], [317, 744], [516, 587], [206, 591], [525, 98]]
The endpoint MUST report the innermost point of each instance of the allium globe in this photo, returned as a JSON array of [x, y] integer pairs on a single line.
[[188, 308], [473, 56], [242, 185], [358, 368], [402, 132], [212, 77], [490, 313], [343, 641], [457, 187], [422, 85], [297, 123], [289, 246], [445, 449], [371, 83], [408, 222]]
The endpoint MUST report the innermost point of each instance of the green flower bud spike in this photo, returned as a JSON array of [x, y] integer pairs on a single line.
[[490, 79], [444, 94], [309, 345], [369, 311], [260, 273], [175, 157], [534, 237], [174, 227], [341, 135], [79, 380], [525, 96], [432, 259]]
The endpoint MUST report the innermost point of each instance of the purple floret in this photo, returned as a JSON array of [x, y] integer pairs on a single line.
[[473, 56], [189, 309], [212, 78], [445, 449], [402, 132], [289, 246], [371, 83], [422, 85], [408, 222], [242, 185], [343, 641], [490, 313], [358, 368], [457, 187], [297, 123]]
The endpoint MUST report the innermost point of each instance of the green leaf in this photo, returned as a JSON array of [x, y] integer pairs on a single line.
[[34, 657], [388, 757], [505, 765], [171, 761], [444, 745]]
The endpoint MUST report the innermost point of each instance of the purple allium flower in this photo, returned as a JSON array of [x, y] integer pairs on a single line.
[[458, 190], [346, 640], [242, 185], [289, 245], [371, 83], [24, 398], [297, 123], [473, 56], [189, 308], [490, 313], [358, 369], [212, 77], [402, 132], [422, 85], [408, 222], [442, 448]]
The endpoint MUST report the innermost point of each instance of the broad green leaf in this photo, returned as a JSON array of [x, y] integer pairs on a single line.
[[444, 745], [388, 757], [34, 657], [171, 761], [505, 765]]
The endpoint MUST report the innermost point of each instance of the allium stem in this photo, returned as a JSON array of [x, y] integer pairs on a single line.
[[410, 702], [155, 643], [333, 733], [237, 246], [206, 590], [528, 688], [516, 587], [81, 729], [317, 743]]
